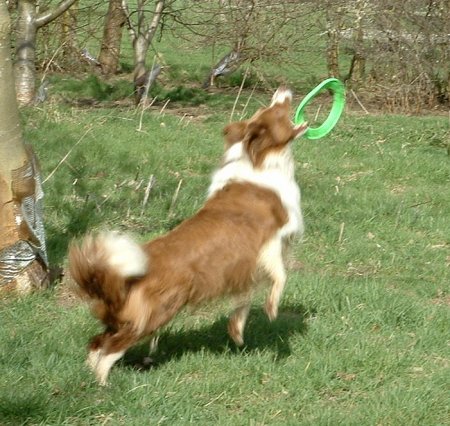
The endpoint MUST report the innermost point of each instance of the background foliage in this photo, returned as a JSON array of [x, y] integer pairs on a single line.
[[394, 55]]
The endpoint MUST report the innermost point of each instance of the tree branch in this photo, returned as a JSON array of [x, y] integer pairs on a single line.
[[131, 30], [155, 21], [52, 14]]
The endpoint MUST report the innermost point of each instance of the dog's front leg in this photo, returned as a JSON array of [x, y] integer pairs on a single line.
[[237, 321], [271, 260]]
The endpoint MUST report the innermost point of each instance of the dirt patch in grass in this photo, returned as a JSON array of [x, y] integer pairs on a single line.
[[66, 295], [441, 299]]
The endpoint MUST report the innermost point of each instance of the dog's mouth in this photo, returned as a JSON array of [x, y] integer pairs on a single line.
[[300, 129]]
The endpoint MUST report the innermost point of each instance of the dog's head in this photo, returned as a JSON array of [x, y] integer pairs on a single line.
[[270, 129]]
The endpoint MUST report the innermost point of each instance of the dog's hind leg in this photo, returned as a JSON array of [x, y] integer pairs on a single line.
[[238, 319], [104, 365], [153, 346], [139, 319], [112, 349], [271, 260], [95, 348]]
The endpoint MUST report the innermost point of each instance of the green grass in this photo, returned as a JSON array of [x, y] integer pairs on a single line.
[[362, 336]]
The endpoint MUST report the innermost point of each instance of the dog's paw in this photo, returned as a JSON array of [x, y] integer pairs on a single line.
[[271, 310], [93, 358], [102, 381], [235, 333], [153, 347]]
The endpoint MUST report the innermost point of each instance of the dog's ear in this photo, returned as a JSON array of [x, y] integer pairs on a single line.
[[234, 132], [255, 130], [256, 141]]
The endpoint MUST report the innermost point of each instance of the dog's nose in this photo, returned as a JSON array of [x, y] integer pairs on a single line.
[[281, 96]]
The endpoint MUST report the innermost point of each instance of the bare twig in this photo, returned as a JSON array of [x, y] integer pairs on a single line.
[[317, 112], [175, 196], [148, 83], [341, 232], [67, 155], [214, 399], [244, 110], [137, 387], [144, 108], [239, 93], [44, 74], [182, 118], [143, 101], [420, 204], [359, 102], [150, 185], [164, 106]]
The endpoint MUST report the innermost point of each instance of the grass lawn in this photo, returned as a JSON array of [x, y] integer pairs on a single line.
[[363, 332]]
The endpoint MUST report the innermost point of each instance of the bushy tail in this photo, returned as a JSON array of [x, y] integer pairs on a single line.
[[102, 265]]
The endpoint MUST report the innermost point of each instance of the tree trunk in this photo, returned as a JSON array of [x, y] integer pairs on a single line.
[[332, 46], [140, 47], [70, 50], [23, 261], [357, 69], [112, 37], [141, 36], [28, 23], [24, 67], [448, 87]]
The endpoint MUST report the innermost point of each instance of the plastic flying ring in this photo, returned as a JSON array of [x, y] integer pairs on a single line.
[[338, 90]]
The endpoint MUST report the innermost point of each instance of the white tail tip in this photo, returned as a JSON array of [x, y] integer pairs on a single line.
[[124, 254]]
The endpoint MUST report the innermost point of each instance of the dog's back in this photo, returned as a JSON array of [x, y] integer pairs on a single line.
[[215, 252]]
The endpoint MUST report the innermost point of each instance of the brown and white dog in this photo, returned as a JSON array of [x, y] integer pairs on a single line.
[[234, 242]]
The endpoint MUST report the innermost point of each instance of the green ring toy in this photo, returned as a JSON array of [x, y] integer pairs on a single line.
[[337, 107]]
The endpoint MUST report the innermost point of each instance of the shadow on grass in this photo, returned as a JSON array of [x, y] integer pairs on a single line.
[[81, 221], [20, 409], [259, 335]]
